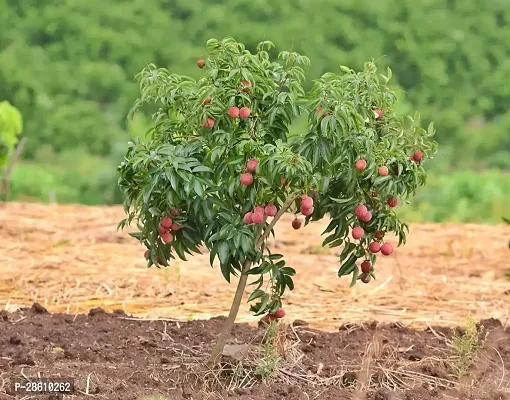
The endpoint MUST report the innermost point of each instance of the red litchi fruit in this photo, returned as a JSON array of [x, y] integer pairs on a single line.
[[366, 279], [247, 218], [280, 313], [252, 165], [306, 211], [259, 209], [366, 266], [379, 235], [360, 210], [360, 165], [244, 112], [166, 222], [208, 123], [296, 223], [306, 201], [374, 247], [358, 232], [392, 201], [207, 100], [233, 112], [367, 217], [270, 210], [200, 63], [175, 227], [257, 217], [378, 113], [383, 170], [246, 179], [386, 249], [162, 230], [167, 237], [418, 155]]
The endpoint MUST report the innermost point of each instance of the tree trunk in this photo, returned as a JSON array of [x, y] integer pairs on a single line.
[[229, 324], [241, 285]]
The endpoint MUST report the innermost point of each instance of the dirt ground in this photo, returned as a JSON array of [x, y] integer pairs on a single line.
[[71, 260], [112, 356]]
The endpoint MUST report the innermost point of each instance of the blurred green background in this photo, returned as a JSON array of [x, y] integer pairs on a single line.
[[69, 67]]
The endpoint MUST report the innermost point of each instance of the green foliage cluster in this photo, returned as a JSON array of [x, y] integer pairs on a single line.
[[197, 153]]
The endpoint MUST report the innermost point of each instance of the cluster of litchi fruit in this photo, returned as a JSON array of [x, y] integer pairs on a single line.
[[306, 208], [278, 314], [358, 232], [256, 216], [166, 227], [246, 178]]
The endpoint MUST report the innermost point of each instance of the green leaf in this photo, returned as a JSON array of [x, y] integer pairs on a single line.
[[348, 266], [354, 277], [341, 201], [223, 252], [256, 294]]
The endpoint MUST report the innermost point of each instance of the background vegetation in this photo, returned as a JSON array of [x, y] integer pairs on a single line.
[[69, 67]]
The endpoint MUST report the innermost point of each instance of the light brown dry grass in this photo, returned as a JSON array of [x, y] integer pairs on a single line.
[[71, 258]]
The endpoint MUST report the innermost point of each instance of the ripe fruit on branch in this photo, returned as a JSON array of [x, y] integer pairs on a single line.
[[259, 209], [360, 210], [208, 123], [247, 218], [257, 217], [383, 170], [392, 201], [166, 222], [270, 210], [233, 112], [246, 179], [306, 211], [175, 227], [167, 237], [207, 100], [378, 113], [374, 247], [252, 165], [366, 279], [386, 249], [280, 313], [379, 235], [367, 217], [200, 63], [163, 230], [306, 201], [366, 266], [418, 155], [244, 112], [296, 223], [358, 232], [360, 164]]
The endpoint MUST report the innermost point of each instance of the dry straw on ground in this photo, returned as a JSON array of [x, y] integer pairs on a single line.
[[71, 258]]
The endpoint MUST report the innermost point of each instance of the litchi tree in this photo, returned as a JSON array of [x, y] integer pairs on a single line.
[[220, 167]]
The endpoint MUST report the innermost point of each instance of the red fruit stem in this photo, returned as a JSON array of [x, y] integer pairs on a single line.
[[241, 285]]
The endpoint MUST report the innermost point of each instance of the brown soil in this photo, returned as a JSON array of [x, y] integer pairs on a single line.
[[125, 358]]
